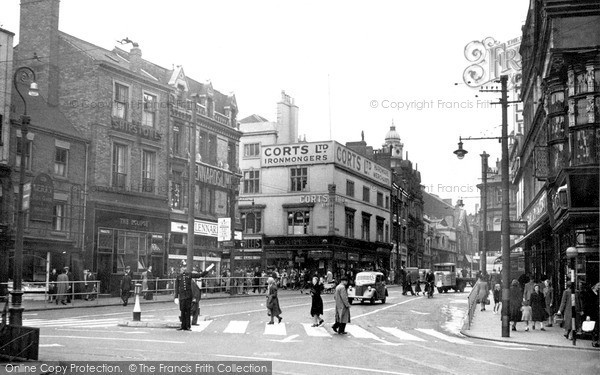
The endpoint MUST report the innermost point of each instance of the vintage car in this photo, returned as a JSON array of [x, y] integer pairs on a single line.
[[446, 278], [368, 286]]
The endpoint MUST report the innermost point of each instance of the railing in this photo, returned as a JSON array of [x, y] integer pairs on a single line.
[[472, 304], [70, 291]]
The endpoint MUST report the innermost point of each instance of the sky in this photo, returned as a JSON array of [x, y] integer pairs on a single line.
[[350, 66]]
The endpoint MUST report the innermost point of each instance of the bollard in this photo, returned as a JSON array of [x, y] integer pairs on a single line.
[[137, 311]]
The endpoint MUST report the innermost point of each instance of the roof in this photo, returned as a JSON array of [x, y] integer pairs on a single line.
[[253, 118], [43, 115]]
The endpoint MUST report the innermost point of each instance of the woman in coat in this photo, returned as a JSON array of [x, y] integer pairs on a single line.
[[538, 307], [342, 307], [316, 307], [565, 309], [549, 298], [273, 301], [482, 292], [514, 306]]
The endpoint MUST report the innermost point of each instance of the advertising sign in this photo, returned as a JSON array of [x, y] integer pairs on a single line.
[[224, 229], [297, 154], [42, 198], [518, 227], [490, 59], [349, 159]]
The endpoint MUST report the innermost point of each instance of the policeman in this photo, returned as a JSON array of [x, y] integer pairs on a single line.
[[184, 294]]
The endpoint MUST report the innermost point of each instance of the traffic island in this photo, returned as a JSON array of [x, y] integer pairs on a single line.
[[156, 323]]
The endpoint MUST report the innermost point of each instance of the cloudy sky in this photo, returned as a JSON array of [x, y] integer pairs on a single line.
[[351, 66]]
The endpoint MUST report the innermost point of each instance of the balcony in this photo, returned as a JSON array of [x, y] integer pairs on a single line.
[[586, 148]]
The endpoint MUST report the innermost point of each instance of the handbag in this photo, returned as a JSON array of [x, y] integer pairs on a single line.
[[558, 319], [486, 301], [588, 325]]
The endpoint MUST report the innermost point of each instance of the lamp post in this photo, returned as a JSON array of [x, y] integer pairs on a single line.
[[505, 226], [572, 255], [23, 74], [484, 170]]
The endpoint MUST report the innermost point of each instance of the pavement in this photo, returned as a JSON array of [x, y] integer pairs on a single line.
[[488, 326]]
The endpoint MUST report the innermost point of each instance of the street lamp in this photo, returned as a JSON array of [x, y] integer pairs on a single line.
[[484, 171], [505, 223], [23, 74], [572, 255]]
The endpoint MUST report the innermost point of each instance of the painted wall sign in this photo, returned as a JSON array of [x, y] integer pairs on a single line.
[[347, 158], [297, 154], [537, 210], [490, 59], [135, 128], [201, 228], [42, 198], [213, 176]]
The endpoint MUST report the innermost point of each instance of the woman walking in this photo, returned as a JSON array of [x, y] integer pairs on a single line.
[[316, 307], [482, 292], [538, 307], [516, 298], [549, 298], [565, 309], [273, 301], [62, 282]]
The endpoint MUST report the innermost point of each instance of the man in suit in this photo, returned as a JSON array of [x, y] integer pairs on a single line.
[[342, 307], [184, 294], [126, 286]]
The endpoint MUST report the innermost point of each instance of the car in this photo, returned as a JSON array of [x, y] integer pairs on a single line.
[[368, 286]]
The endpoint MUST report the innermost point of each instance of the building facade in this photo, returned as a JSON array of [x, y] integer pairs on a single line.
[[557, 155]]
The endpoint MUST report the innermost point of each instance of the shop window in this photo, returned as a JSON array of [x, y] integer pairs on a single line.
[[298, 222]]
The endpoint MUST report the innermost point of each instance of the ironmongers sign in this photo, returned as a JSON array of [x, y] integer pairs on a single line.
[[42, 198]]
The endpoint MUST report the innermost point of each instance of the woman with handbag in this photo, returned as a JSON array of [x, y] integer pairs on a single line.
[[483, 291], [273, 301], [565, 309], [538, 307], [316, 307]]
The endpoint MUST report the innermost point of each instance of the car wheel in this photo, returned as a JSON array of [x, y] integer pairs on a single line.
[[440, 290], [383, 301], [350, 300], [372, 300]]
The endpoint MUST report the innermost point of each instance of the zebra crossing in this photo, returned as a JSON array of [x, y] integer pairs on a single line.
[[282, 330]]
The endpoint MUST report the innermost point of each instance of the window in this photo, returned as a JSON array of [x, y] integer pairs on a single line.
[[349, 224], [231, 155], [207, 200], [366, 193], [148, 171], [58, 217], [212, 149], [27, 152], [498, 196], [252, 150], [380, 199], [119, 109], [251, 222], [177, 191], [119, 166], [176, 139], [251, 182], [299, 179], [387, 201], [131, 249], [60, 161], [350, 188], [298, 222], [149, 110], [203, 146], [379, 229], [365, 228]]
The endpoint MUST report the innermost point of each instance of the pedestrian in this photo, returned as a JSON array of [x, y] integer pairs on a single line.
[[52, 278], [514, 305], [565, 309], [256, 280], [70, 288], [497, 298], [146, 276], [538, 307], [126, 285], [342, 307], [316, 307], [184, 294], [196, 296], [429, 283], [272, 301], [589, 308], [88, 284], [526, 313], [482, 291], [549, 298], [62, 282], [408, 284], [418, 286], [528, 289], [329, 276]]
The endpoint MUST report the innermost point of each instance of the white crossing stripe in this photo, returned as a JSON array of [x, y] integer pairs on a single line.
[[236, 326], [315, 331], [72, 322], [439, 335], [201, 325], [400, 334], [275, 329], [359, 332]]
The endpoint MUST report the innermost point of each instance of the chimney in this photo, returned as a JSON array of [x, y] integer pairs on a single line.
[[287, 119], [38, 36], [135, 58]]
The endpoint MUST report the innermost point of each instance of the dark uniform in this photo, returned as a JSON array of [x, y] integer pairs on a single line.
[[183, 291]]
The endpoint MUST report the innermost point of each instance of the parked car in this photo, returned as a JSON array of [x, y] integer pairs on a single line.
[[368, 286]]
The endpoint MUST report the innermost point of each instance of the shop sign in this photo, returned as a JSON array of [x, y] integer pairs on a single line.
[[297, 154], [321, 198], [537, 210], [42, 198], [135, 128], [213, 176], [224, 229], [490, 59], [518, 227], [201, 228], [361, 165]]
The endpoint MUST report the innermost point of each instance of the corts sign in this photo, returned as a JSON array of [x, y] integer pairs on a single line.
[[357, 163], [297, 154]]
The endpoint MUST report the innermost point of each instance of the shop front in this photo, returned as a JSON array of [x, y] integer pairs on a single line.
[[129, 240], [206, 247]]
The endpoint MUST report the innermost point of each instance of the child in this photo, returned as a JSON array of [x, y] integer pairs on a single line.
[[418, 287], [526, 309], [497, 298]]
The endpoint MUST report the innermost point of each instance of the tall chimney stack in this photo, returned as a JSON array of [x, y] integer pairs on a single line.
[[287, 119], [135, 58]]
